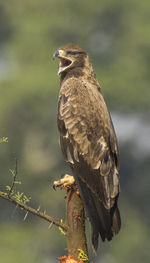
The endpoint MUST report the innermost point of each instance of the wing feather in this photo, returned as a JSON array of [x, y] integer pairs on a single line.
[[87, 122]]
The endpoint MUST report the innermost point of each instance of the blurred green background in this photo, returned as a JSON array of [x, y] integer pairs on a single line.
[[116, 35]]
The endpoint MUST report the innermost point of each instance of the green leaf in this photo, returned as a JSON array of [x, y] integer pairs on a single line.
[[17, 182], [3, 139], [82, 255], [26, 199], [8, 187], [61, 230], [12, 172]]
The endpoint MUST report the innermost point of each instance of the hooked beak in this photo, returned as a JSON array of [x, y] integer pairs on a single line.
[[56, 54], [65, 62]]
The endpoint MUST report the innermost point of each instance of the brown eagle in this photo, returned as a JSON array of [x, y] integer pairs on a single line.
[[88, 141]]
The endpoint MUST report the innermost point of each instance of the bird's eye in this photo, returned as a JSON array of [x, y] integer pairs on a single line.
[[73, 53]]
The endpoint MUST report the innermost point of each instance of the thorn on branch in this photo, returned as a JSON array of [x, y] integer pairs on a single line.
[[50, 225], [38, 208], [25, 216]]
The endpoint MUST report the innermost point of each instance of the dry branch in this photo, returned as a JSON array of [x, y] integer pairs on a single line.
[[75, 219], [33, 211]]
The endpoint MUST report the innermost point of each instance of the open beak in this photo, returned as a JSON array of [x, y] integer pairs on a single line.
[[65, 62], [56, 54]]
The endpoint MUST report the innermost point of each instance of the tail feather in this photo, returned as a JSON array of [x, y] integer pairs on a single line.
[[116, 221], [104, 222]]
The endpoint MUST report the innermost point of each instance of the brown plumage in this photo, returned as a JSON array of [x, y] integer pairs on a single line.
[[88, 141]]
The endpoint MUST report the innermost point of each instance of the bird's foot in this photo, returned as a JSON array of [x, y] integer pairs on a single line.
[[64, 183]]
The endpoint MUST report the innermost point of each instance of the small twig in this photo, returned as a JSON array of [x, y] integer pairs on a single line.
[[33, 211], [14, 178]]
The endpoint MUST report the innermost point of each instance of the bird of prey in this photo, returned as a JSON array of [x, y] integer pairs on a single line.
[[88, 141]]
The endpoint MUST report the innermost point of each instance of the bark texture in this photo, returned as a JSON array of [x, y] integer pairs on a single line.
[[75, 220]]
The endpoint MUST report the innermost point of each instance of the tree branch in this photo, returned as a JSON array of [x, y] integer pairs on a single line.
[[33, 211], [75, 219]]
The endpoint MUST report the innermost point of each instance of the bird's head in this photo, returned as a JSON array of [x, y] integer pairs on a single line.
[[70, 56]]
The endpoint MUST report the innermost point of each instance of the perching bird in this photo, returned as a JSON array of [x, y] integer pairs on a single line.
[[88, 141]]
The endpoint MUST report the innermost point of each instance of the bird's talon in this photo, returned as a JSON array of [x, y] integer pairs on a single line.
[[64, 183]]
